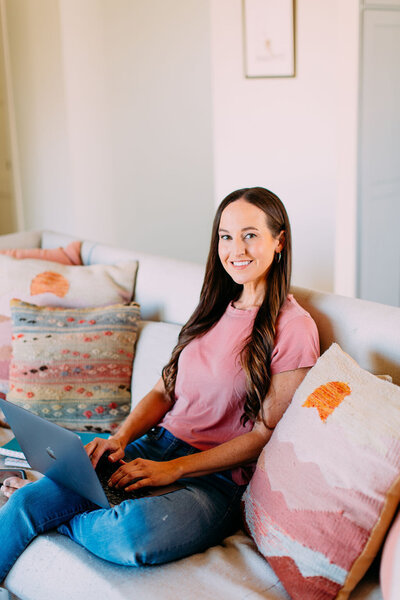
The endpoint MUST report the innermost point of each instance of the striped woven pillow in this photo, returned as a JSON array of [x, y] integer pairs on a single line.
[[327, 483], [74, 366]]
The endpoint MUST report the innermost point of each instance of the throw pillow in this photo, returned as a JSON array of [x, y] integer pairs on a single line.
[[5, 351], [49, 283], [327, 483], [390, 563], [70, 255], [74, 366]]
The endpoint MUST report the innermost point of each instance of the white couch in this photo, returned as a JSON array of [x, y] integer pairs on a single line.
[[55, 568]]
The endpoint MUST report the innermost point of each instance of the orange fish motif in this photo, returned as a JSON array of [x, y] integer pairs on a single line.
[[49, 282], [327, 397]]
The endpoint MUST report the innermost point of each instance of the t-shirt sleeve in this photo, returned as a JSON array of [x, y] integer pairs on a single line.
[[296, 346]]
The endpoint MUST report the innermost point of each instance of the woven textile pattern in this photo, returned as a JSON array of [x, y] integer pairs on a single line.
[[326, 478], [74, 366], [5, 351]]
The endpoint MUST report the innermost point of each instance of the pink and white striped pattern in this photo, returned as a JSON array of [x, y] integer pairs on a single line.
[[328, 482]]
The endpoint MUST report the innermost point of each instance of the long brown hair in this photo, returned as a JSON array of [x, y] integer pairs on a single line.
[[219, 290]]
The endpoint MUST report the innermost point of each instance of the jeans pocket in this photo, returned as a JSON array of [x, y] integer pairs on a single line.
[[155, 433]]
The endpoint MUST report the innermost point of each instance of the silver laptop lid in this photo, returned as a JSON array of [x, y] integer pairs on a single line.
[[56, 452]]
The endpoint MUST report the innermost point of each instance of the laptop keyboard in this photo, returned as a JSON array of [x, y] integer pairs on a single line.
[[104, 470], [115, 496]]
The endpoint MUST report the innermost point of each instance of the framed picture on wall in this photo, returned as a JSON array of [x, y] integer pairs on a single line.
[[268, 28]]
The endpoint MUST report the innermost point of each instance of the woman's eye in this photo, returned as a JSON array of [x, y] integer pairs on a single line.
[[225, 236], [249, 236]]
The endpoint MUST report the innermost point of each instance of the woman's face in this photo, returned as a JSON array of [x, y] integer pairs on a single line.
[[246, 245]]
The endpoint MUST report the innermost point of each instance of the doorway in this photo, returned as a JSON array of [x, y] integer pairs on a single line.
[[379, 174]]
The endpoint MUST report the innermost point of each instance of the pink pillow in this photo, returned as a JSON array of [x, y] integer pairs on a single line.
[[390, 563], [327, 484], [70, 255]]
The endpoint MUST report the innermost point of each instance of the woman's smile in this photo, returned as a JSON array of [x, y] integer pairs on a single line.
[[241, 264]]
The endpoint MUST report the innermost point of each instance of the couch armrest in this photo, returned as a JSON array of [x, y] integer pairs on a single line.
[[23, 239]]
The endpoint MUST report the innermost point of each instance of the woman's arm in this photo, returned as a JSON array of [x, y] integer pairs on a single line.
[[238, 451], [147, 413]]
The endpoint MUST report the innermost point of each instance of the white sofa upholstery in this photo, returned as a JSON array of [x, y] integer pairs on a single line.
[[54, 567]]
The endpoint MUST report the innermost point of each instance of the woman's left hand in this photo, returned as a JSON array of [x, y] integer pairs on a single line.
[[12, 484], [140, 473]]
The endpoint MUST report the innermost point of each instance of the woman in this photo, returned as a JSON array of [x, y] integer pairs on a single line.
[[238, 361]]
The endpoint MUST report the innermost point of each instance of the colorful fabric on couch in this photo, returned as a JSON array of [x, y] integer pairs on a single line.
[[327, 484], [74, 366]]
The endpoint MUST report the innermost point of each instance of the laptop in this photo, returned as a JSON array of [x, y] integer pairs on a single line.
[[60, 455]]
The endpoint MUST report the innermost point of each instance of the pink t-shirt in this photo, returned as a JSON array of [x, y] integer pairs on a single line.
[[210, 385]]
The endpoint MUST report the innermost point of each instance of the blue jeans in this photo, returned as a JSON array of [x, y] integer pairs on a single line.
[[145, 531]]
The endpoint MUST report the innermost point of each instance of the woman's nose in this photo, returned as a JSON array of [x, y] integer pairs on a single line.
[[239, 247]]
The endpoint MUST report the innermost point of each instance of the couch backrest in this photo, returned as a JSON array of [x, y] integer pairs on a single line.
[[23, 239], [368, 331], [168, 290]]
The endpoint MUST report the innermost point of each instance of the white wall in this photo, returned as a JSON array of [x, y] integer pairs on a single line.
[[289, 135], [40, 111], [114, 120], [134, 120], [347, 77]]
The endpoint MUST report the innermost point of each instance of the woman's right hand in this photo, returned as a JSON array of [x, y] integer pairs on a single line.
[[97, 447]]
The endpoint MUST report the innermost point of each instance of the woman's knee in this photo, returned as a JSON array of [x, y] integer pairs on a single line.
[[123, 539]]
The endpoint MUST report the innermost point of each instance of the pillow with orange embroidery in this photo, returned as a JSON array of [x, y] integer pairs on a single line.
[[47, 283], [327, 484]]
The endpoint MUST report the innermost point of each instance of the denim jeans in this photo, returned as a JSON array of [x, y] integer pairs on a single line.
[[145, 531]]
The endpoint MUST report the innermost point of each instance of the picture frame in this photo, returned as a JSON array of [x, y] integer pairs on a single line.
[[269, 38]]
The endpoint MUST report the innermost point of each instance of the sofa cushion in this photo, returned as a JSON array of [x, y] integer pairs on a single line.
[[327, 484], [154, 346], [74, 366], [54, 566]]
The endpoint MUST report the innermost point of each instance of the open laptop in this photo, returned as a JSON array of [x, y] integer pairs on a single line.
[[60, 455]]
